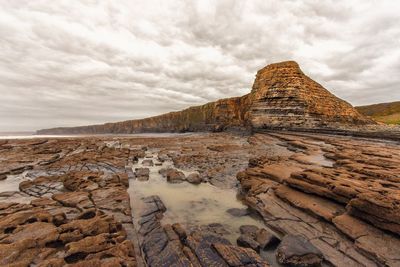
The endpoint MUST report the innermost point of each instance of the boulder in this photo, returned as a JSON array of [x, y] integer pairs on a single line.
[[173, 175], [142, 174], [194, 178]]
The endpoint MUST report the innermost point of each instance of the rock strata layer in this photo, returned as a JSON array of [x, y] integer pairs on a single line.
[[341, 195], [282, 97]]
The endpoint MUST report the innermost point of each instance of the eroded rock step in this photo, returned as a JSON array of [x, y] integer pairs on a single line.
[[348, 210]]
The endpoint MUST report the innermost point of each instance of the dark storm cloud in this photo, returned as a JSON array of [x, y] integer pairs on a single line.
[[66, 63]]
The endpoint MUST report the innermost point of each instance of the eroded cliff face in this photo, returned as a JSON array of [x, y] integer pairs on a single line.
[[282, 97], [215, 116]]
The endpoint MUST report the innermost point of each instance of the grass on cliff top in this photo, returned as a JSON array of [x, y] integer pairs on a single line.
[[386, 112], [390, 119]]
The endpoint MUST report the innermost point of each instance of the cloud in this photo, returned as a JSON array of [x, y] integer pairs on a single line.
[[67, 63]]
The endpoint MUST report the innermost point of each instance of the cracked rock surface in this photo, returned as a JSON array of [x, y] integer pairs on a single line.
[[64, 201], [341, 194]]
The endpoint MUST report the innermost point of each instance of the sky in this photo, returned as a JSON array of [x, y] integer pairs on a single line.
[[68, 63]]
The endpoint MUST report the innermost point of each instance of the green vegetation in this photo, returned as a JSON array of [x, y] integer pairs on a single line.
[[386, 112]]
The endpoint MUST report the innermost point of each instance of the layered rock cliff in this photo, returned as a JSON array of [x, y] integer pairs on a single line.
[[282, 97]]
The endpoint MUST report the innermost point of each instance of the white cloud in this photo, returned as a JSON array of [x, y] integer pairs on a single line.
[[68, 63]]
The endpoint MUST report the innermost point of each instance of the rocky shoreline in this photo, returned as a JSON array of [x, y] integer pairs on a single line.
[[324, 200], [348, 210]]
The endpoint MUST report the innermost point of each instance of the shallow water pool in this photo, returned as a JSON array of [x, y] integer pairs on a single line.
[[188, 204]]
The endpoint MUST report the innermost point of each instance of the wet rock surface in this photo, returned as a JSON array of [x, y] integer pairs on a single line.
[[65, 201], [172, 245], [79, 211], [256, 238], [338, 193], [295, 250]]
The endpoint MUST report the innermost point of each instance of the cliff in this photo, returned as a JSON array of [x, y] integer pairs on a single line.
[[388, 113], [282, 97]]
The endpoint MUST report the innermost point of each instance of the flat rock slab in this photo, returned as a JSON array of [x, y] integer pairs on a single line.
[[236, 212], [295, 250]]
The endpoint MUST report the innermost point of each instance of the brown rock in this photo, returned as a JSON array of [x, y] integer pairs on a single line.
[[313, 204], [113, 201], [265, 239], [147, 162], [250, 230], [142, 174], [79, 200], [194, 178], [298, 251], [247, 241], [90, 244], [39, 233], [371, 240], [178, 228], [382, 211], [94, 226], [235, 256], [174, 176]]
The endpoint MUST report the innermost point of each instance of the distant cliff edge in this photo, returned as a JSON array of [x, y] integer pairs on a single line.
[[388, 113], [282, 97]]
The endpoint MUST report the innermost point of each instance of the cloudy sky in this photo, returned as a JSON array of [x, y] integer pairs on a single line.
[[66, 63]]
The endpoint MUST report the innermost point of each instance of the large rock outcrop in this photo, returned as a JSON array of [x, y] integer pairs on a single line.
[[282, 97]]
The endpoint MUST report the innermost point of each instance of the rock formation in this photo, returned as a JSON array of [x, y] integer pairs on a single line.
[[282, 97], [341, 194], [76, 201]]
